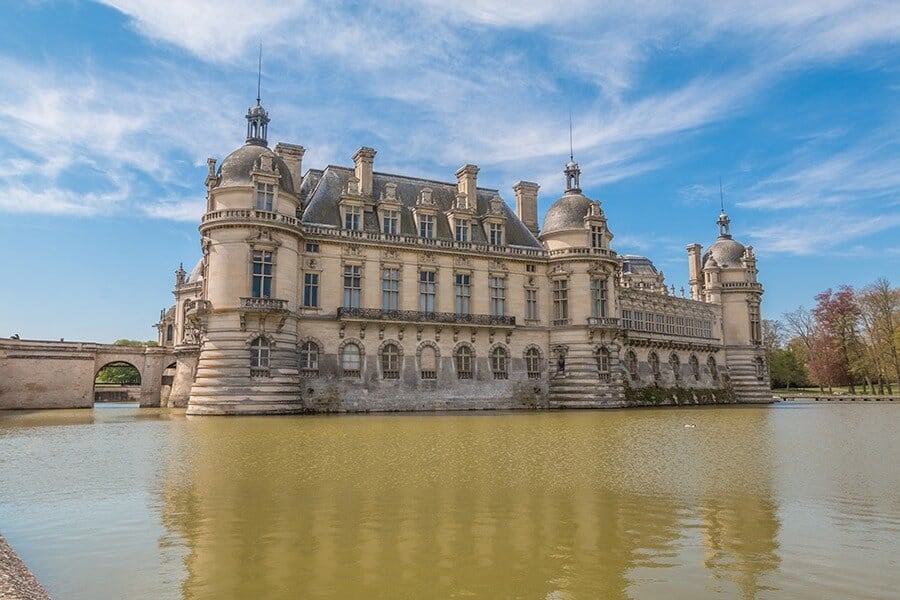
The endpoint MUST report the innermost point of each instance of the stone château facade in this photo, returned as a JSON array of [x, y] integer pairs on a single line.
[[347, 289]]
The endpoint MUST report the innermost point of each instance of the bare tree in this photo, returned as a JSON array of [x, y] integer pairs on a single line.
[[880, 316]]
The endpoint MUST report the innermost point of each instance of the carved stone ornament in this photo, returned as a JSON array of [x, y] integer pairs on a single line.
[[426, 197], [497, 265], [496, 206], [389, 193]]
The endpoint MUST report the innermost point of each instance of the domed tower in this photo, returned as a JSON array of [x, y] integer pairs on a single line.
[[246, 315], [582, 278], [727, 275]]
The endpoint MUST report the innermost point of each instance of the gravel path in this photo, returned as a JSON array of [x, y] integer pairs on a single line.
[[16, 581]]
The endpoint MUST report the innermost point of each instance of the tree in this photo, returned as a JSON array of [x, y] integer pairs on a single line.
[[836, 347], [127, 342], [786, 370], [880, 317]]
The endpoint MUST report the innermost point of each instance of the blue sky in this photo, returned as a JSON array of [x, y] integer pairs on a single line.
[[108, 111]]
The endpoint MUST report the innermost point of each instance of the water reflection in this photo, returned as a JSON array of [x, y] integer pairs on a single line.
[[571, 505]]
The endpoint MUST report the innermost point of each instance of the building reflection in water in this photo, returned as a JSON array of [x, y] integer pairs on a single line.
[[559, 505]]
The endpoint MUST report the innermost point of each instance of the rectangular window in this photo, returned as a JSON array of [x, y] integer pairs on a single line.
[[497, 289], [390, 222], [560, 301], [427, 290], [311, 247], [311, 290], [390, 289], [495, 234], [353, 218], [598, 297], [755, 329], [265, 196], [596, 236], [463, 293], [262, 274], [626, 319], [462, 230], [352, 285], [530, 268], [531, 309], [426, 226]]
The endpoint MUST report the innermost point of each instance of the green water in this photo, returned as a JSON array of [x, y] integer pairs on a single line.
[[786, 501]]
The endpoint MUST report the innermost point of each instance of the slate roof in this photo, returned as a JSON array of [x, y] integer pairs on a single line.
[[236, 167], [321, 193], [567, 213]]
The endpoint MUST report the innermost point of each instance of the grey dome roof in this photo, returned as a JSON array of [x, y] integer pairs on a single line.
[[196, 273], [236, 167], [567, 213], [634, 263], [726, 251]]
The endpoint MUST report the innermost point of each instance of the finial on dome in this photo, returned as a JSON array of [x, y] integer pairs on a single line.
[[573, 173], [723, 221], [257, 117]]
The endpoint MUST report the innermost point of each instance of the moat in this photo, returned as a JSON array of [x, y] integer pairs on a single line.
[[792, 500]]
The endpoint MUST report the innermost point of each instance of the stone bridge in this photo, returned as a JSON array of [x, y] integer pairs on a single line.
[[45, 374]]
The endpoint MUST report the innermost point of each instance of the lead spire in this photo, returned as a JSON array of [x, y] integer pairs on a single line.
[[723, 221], [257, 117], [573, 173]]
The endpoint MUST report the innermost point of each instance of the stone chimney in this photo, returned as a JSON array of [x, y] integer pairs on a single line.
[[467, 182], [694, 271], [526, 204], [292, 156], [363, 159]]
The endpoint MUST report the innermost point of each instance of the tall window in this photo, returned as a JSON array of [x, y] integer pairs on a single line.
[[350, 360], [309, 359], [311, 290], [560, 301], [533, 363], [463, 293], [265, 196], [596, 236], [390, 222], [259, 353], [353, 218], [495, 234], [462, 230], [497, 288], [390, 289], [695, 367], [500, 363], [675, 364], [428, 363], [426, 226], [653, 359], [755, 331], [463, 360], [631, 365], [713, 368], [170, 333], [352, 286], [602, 357], [531, 308], [427, 289], [598, 297], [390, 362], [262, 274]]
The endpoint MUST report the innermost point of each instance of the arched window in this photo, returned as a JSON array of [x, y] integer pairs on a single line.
[[675, 364], [390, 361], [602, 356], [463, 359], [309, 359], [170, 333], [713, 368], [653, 359], [427, 363], [350, 360], [760, 368], [631, 364], [533, 363], [259, 357], [695, 367], [500, 363]]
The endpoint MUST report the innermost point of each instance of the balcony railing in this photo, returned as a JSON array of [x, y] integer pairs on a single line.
[[377, 314], [603, 322], [263, 304], [197, 306]]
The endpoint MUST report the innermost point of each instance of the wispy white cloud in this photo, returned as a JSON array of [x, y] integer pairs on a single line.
[[821, 233]]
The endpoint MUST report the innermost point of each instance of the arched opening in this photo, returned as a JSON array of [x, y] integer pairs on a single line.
[[631, 365], [117, 382], [168, 379], [390, 362], [601, 355], [653, 359], [675, 365], [463, 360], [533, 363], [500, 363], [428, 363]]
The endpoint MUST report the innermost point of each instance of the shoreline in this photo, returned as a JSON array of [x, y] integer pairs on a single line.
[[17, 582]]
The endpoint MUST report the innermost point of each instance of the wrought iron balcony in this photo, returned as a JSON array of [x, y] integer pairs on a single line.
[[263, 305], [603, 322], [416, 316]]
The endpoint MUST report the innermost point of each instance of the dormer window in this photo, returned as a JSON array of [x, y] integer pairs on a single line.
[[462, 230], [596, 236], [426, 226], [265, 196], [390, 222], [495, 234], [353, 218]]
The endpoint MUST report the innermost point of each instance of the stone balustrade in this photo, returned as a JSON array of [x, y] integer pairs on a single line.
[[263, 304], [377, 314]]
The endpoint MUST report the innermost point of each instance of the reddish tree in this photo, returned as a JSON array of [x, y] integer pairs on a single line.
[[837, 341]]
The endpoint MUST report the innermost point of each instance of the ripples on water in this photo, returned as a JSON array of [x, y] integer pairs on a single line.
[[799, 501]]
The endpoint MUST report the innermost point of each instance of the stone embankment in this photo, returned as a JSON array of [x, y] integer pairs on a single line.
[[16, 581], [835, 398]]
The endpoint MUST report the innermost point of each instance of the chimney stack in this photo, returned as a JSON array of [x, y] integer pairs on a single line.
[[467, 178], [694, 271], [363, 159], [292, 155], [526, 204]]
